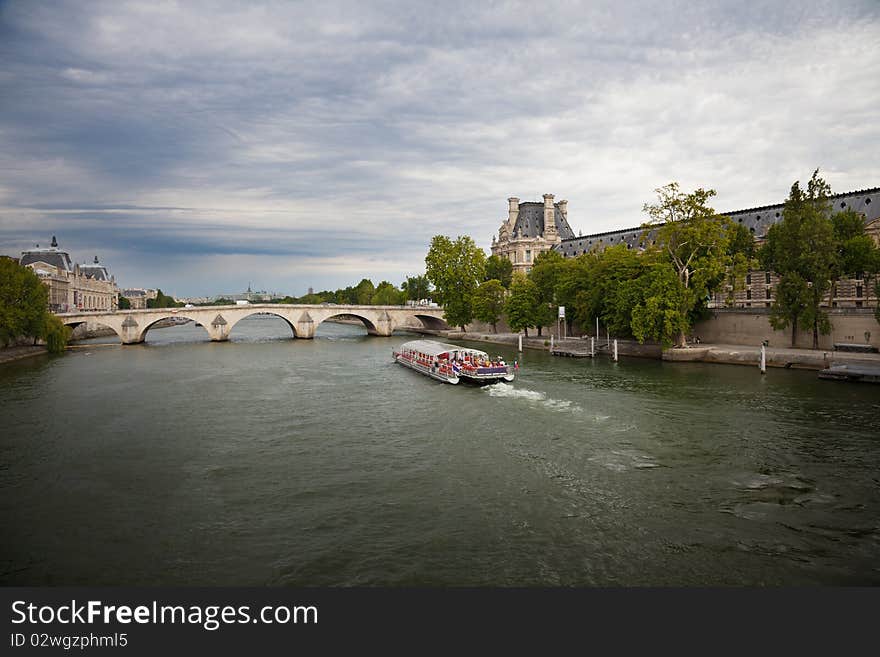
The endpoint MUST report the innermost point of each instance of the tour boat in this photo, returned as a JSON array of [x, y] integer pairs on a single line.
[[450, 363]]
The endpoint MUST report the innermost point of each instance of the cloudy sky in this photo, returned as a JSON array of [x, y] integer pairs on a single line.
[[201, 146]]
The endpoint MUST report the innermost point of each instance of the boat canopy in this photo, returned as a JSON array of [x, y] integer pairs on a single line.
[[431, 348]]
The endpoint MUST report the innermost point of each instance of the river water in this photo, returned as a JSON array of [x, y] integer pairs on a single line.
[[270, 461]]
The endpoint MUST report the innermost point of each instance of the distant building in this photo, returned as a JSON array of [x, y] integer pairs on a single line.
[[138, 297], [72, 286]]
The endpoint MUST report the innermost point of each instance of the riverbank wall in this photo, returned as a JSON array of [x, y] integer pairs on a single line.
[[726, 354]]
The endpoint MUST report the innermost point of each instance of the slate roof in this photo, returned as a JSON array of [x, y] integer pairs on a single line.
[[98, 272], [530, 222], [757, 220], [50, 256]]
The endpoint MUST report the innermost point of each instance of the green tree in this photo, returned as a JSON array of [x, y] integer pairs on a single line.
[[364, 292], [124, 303], [545, 273], [23, 302], [416, 288], [662, 314], [164, 301], [387, 295], [500, 269], [801, 250], [55, 333], [489, 302], [522, 304], [695, 241], [455, 269]]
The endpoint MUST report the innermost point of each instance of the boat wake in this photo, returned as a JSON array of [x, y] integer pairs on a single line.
[[532, 396]]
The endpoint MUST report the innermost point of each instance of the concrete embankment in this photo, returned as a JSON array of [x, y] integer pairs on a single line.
[[807, 359], [10, 354]]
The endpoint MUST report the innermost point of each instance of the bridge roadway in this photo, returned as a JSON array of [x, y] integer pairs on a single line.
[[132, 325]]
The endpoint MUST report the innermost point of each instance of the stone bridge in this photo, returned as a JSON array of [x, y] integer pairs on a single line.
[[132, 325]]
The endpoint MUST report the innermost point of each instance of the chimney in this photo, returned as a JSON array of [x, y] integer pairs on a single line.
[[549, 216], [512, 212], [563, 208]]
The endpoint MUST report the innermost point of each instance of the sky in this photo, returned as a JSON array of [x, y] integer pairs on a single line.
[[201, 147]]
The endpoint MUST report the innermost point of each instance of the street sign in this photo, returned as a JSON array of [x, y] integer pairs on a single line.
[[561, 312]]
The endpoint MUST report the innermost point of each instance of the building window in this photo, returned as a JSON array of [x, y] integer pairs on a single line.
[[748, 279], [858, 290], [858, 304], [528, 255], [767, 293], [748, 294], [767, 278]]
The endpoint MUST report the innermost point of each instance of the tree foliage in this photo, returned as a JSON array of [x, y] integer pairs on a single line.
[[416, 288], [801, 250], [522, 304], [23, 302], [500, 269], [387, 295], [456, 270], [164, 301], [489, 302], [55, 333], [696, 242]]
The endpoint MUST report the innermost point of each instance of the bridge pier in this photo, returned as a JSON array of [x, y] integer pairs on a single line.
[[384, 326], [131, 332], [219, 329], [305, 327]]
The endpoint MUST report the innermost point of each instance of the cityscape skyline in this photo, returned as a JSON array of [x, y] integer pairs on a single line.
[[190, 146]]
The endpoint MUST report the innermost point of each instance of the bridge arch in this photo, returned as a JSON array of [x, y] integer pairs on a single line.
[[432, 323], [368, 324], [142, 336], [263, 311], [75, 324]]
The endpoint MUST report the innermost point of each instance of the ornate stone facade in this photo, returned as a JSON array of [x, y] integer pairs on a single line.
[[72, 286], [531, 228]]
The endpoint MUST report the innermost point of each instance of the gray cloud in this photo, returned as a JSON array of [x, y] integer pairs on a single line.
[[306, 140]]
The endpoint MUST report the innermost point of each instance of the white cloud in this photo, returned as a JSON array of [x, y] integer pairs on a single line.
[[212, 127]]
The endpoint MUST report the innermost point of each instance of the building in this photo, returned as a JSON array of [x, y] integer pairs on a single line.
[[523, 236], [72, 286], [531, 228], [138, 297]]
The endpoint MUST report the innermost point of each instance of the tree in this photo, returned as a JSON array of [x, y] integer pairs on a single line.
[[55, 333], [164, 301], [522, 304], [416, 288], [489, 302], [801, 250], [364, 292], [695, 241], [387, 295], [23, 302], [545, 273], [124, 303], [500, 269], [662, 314], [455, 269]]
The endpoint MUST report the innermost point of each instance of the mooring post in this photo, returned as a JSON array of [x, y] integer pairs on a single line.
[[763, 359], [520, 342], [592, 347], [615, 350]]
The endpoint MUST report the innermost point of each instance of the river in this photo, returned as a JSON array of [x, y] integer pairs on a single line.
[[270, 461]]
